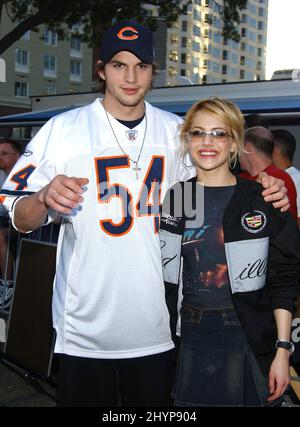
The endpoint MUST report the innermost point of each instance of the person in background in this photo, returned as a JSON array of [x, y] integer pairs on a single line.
[[283, 154], [10, 151], [240, 269], [257, 157]]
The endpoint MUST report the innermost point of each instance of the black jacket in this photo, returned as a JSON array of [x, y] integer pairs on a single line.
[[263, 258]]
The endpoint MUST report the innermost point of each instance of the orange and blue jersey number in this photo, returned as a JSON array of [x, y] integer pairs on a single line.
[[150, 188], [21, 177]]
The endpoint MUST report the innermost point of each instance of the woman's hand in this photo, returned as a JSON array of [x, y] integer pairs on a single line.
[[279, 375]]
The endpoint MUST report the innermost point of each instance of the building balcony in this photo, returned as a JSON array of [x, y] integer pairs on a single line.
[[19, 68], [52, 74]]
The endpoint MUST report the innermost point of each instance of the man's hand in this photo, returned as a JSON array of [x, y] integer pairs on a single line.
[[63, 193], [275, 191]]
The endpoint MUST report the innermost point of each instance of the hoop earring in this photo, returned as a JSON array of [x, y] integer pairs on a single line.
[[232, 160], [186, 154]]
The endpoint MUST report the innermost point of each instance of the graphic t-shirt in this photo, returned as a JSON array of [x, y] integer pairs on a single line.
[[205, 276]]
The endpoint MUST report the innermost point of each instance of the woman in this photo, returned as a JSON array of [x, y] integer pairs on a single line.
[[240, 271]]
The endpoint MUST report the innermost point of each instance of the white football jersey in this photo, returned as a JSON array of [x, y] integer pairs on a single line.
[[108, 297]]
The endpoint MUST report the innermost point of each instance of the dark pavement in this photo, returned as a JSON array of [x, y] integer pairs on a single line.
[[17, 391]]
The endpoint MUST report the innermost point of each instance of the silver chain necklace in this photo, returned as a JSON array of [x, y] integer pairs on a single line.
[[135, 162]]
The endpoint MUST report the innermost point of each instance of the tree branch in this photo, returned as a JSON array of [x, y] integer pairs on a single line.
[[29, 23]]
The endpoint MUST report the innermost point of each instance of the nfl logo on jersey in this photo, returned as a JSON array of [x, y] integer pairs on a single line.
[[132, 134]]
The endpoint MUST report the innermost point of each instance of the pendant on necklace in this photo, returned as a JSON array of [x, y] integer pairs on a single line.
[[136, 169]]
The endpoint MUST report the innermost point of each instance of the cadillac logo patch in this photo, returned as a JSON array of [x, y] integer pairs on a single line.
[[254, 221], [132, 134]]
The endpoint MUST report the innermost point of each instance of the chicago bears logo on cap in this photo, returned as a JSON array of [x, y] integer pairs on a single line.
[[133, 36], [254, 221]]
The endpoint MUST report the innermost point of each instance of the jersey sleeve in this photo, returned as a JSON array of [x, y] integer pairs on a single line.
[[284, 262], [34, 169]]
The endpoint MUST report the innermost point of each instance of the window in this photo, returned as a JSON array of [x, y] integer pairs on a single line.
[[208, 18], [259, 52], [244, 18], [50, 66], [242, 74], [224, 69], [183, 42], [173, 56], [22, 57], [196, 15], [261, 25], [182, 72], [184, 26], [204, 78], [50, 38], [242, 60], [196, 31], [21, 89], [243, 32], [174, 39], [183, 58], [76, 70], [196, 46], [172, 71], [225, 55], [76, 43]]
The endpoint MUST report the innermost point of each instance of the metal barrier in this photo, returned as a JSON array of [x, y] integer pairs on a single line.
[[12, 239]]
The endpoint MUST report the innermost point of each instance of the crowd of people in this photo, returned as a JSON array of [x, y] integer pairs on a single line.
[[104, 170]]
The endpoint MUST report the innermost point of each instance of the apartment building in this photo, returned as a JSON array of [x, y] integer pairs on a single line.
[[40, 64], [197, 50]]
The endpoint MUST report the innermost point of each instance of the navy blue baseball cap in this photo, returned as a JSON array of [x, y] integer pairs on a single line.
[[130, 36]]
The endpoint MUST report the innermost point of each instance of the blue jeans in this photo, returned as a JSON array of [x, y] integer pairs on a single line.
[[216, 366]]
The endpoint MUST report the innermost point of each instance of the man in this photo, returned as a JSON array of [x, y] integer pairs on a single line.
[[105, 168], [283, 154], [257, 158], [10, 151]]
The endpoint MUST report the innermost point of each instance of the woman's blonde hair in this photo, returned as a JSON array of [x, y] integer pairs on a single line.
[[226, 112]]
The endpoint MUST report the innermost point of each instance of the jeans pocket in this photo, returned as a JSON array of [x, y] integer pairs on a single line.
[[190, 314], [230, 318]]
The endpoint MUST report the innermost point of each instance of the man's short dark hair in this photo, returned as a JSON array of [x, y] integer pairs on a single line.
[[262, 139], [286, 142], [15, 145], [252, 120]]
